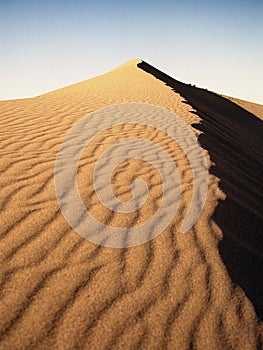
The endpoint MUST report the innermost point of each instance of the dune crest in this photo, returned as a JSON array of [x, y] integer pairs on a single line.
[[60, 291]]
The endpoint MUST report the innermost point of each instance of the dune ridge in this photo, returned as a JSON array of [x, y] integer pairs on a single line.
[[59, 291], [233, 137]]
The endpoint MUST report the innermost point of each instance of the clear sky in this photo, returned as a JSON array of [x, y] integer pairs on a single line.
[[45, 45]]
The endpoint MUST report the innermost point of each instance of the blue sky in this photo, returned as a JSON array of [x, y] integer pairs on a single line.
[[48, 44]]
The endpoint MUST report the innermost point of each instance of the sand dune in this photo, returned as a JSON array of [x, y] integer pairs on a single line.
[[251, 107], [201, 289]]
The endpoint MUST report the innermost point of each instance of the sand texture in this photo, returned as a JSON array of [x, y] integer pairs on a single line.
[[196, 290]]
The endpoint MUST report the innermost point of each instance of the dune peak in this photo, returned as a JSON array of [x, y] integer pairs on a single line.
[[133, 62]]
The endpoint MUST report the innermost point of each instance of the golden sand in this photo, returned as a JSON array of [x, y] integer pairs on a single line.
[[58, 290], [252, 107]]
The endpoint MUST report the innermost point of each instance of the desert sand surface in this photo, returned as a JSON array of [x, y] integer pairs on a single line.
[[254, 108], [196, 290]]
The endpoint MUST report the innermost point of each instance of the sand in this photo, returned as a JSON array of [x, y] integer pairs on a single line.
[[252, 107], [177, 291]]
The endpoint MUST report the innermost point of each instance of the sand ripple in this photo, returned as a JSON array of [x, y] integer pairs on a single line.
[[60, 291]]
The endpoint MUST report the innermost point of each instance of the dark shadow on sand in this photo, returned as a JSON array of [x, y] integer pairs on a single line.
[[234, 139]]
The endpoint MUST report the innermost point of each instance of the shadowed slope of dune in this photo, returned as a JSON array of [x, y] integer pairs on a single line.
[[233, 138], [251, 107], [59, 291]]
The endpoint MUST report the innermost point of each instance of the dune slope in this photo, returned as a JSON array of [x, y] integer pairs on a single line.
[[178, 291], [233, 137]]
